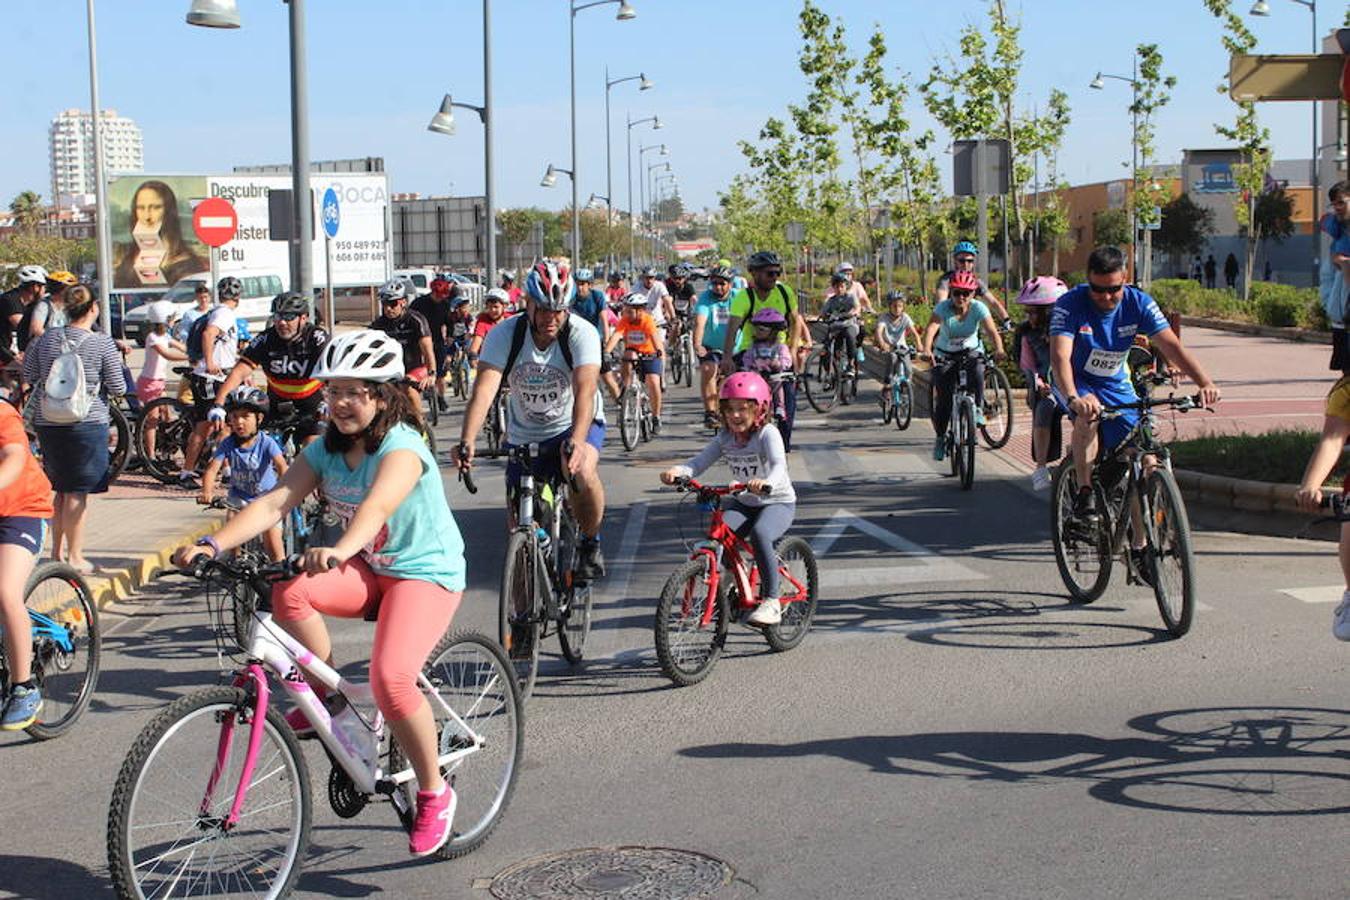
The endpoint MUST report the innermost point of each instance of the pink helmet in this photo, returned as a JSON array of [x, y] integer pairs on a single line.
[[1043, 290], [748, 386]]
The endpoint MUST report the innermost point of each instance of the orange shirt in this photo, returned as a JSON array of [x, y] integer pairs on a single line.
[[639, 336], [31, 493]]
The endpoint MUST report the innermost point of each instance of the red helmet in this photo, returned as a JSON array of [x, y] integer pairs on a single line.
[[748, 386], [964, 281], [440, 287]]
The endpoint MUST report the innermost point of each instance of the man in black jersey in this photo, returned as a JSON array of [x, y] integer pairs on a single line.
[[435, 308], [413, 334]]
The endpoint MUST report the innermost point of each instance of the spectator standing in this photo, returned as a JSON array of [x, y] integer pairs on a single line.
[[75, 455], [1230, 271], [1211, 270]]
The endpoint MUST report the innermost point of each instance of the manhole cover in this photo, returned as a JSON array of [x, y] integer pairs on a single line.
[[648, 873]]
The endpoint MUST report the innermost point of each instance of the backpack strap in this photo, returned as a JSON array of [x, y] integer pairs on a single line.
[[518, 343]]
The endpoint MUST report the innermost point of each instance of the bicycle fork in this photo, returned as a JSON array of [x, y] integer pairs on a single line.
[[253, 676]]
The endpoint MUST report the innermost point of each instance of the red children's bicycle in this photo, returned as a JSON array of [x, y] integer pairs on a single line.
[[697, 603]]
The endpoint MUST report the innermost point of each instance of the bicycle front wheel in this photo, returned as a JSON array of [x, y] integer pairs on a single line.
[[903, 404], [66, 646], [965, 443], [799, 590], [677, 364], [629, 413], [518, 623], [821, 382], [166, 825], [472, 676], [690, 360], [1169, 551], [1082, 554], [997, 407], [685, 647], [433, 410]]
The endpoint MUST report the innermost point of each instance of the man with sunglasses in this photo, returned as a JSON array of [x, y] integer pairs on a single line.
[[286, 352], [963, 258], [712, 311], [1092, 328], [413, 333]]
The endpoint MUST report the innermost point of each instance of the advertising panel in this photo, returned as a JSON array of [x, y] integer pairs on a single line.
[[151, 231]]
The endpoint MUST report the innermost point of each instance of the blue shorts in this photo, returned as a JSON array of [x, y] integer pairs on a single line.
[[23, 531], [547, 464], [1115, 430], [711, 356], [647, 367]]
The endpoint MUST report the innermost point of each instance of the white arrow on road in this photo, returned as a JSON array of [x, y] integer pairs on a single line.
[[921, 564]]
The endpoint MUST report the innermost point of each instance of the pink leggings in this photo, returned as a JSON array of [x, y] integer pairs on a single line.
[[413, 617]]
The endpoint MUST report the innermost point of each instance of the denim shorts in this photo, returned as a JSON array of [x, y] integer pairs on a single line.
[[75, 457]]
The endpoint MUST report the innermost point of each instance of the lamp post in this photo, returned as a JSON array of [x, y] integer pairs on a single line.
[[549, 180], [625, 13], [632, 226], [225, 14], [643, 85], [100, 189], [596, 200], [1262, 8], [1098, 84], [651, 190], [657, 186], [643, 186]]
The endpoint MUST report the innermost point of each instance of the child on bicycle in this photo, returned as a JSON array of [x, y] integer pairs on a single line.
[[768, 355], [401, 553], [1335, 432], [1033, 342], [753, 449], [894, 330], [641, 336], [25, 507], [256, 459]]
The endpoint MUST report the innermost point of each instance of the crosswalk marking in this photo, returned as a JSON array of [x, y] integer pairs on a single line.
[[1329, 594]]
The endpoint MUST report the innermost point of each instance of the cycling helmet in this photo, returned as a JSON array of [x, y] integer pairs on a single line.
[[838, 278], [159, 312], [897, 295], [724, 263], [550, 285], [721, 272], [63, 278], [509, 277], [458, 301], [394, 289], [289, 303], [965, 247], [769, 316], [964, 281], [845, 266], [441, 286], [647, 272], [32, 275], [635, 298], [367, 354], [748, 386], [229, 287], [762, 260], [246, 397], [679, 270], [585, 275], [497, 295], [1043, 290]]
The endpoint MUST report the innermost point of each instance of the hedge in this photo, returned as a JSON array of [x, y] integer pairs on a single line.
[[1279, 305]]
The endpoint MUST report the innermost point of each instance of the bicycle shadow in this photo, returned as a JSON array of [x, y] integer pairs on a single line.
[[1205, 765], [44, 877]]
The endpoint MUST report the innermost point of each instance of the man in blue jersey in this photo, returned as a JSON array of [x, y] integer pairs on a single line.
[[1092, 328]]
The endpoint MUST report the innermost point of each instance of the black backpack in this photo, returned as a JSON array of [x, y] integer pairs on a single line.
[[518, 343], [194, 337], [788, 304]]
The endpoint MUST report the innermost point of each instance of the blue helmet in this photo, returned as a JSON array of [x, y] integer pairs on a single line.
[[966, 247]]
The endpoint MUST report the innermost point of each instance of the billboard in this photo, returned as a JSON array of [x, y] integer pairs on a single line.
[[149, 258]]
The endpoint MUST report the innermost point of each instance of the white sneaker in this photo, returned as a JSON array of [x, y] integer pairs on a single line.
[[770, 612], [1040, 479], [1340, 621]]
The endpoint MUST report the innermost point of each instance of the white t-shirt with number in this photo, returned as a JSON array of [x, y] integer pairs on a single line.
[[540, 396]]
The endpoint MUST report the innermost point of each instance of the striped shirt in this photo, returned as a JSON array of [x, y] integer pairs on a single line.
[[102, 368]]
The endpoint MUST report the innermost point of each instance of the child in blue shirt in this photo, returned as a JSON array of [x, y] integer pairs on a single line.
[[256, 459]]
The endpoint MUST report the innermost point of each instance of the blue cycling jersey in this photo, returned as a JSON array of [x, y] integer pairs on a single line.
[[1102, 340]]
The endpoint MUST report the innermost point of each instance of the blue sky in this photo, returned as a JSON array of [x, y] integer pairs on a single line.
[[207, 99]]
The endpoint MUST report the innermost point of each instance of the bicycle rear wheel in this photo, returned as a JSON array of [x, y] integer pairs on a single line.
[[965, 442], [997, 406], [821, 381], [518, 624], [166, 425], [119, 441], [685, 647], [1084, 559], [795, 559], [473, 677], [166, 823], [1169, 551], [629, 412], [65, 664]]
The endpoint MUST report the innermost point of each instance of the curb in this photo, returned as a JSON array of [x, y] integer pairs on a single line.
[[109, 585], [1237, 493], [1298, 335]]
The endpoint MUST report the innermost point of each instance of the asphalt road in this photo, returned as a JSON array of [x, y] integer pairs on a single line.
[[951, 727]]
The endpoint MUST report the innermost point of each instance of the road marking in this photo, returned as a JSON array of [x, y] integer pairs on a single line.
[[926, 565], [1329, 594]]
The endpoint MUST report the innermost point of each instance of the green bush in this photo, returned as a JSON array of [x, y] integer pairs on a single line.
[[1285, 305], [1280, 305], [1276, 456]]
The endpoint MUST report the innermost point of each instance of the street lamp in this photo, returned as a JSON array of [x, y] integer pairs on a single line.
[[646, 182], [643, 85], [632, 232], [101, 242], [625, 13], [225, 14], [1262, 8], [1098, 84], [651, 196], [551, 176], [657, 186], [444, 123], [596, 200]]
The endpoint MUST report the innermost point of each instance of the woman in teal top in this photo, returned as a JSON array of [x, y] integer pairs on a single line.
[[400, 551], [953, 332]]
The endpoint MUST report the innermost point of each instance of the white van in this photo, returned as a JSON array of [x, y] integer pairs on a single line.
[[421, 279], [255, 304]]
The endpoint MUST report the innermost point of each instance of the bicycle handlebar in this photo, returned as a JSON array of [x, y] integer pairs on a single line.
[[1183, 404], [686, 483], [465, 473], [203, 566]]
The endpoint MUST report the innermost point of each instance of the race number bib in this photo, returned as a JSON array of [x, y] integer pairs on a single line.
[[635, 338], [1105, 362], [743, 466], [542, 393], [721, 315]]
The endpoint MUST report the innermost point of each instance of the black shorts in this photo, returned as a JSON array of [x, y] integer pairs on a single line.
[[203, 394], [23, 531], [306, 412]]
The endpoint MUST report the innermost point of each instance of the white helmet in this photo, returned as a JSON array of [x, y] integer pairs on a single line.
[[498, 294], [367, 355], [32, 275], [159, 312], [635, 298], [396, 289]]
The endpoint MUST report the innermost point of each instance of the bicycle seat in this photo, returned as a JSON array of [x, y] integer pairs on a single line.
[[182, 370]]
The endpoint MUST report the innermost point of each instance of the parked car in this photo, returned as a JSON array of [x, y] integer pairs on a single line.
[[255, 305], [421, 279]]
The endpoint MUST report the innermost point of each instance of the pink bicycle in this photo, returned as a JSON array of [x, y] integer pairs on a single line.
[[697, 604], [214, 797]]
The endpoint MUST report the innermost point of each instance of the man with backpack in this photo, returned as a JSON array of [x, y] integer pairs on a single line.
[[213, 349], [548, 361]]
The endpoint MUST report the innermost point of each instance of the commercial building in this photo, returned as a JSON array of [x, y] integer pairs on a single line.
[[71, 151]]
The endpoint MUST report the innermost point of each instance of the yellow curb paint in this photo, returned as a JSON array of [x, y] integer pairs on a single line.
[[110, 585]]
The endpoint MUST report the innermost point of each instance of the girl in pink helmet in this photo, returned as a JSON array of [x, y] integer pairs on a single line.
[[753, 449], [1038, 296]]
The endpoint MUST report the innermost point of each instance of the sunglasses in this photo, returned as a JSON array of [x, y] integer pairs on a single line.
[[1106, 290], [772, 273], [962, 295], [288, 317], [716, 281]]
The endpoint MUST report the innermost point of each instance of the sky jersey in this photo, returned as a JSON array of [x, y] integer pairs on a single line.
[[287, 364], [1102, 340], [957, 334], [408, 329], [540, 396]]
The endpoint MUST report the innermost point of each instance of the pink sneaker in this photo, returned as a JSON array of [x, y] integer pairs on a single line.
[[300, 723], [431, 828]]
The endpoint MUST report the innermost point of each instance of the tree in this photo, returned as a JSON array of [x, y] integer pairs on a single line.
[[28, 211], [1110, 227], [1184, 229], [1150, 95], [1274, 215], [21, 248]]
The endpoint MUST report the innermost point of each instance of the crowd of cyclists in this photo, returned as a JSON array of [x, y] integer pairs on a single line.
[[562, 347]]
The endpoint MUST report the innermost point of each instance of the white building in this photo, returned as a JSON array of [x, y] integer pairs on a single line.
[[71, 151]]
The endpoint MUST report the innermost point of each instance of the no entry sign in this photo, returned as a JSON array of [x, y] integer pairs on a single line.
[[215, 222]]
